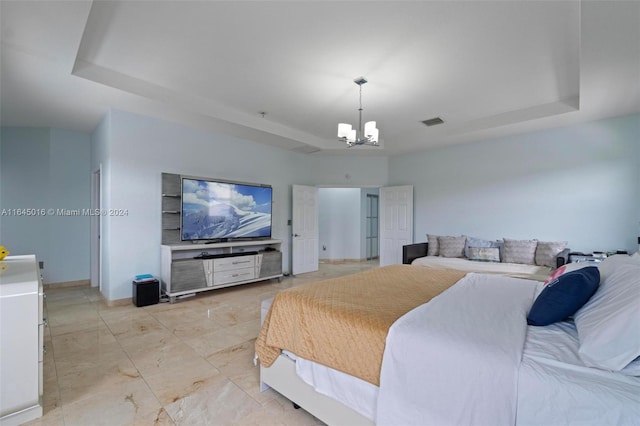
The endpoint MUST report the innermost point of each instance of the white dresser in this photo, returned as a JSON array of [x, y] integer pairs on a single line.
[[21, 340]]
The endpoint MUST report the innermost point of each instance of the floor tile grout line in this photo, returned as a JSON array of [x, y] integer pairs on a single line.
[[53, 359], [141, 375], [62, 403]]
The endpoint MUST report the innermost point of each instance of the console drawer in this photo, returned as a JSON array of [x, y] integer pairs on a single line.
[[232, 276], [230, 263]]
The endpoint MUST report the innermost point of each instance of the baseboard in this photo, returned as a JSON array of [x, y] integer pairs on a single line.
[[65, 284], [87, 283], [339, 261], [118, 302]]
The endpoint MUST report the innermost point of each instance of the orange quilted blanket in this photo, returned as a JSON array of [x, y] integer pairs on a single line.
[[343, 322]]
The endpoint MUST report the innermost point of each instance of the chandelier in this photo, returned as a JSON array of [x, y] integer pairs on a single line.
[[359, 136]]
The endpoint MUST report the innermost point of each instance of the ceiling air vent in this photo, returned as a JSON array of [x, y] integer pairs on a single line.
[[433, 121], [306, 149]]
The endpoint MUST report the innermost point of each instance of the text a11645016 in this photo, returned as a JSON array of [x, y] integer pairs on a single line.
[[63, 212]]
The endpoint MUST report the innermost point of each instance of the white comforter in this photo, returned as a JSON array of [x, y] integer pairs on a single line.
[[468, 357], [466, 347]]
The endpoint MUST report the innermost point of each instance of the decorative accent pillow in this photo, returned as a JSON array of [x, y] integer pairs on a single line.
[[477, 242], [569, 267], [432, 247], [484, 254], [519, 251], [451, 246], [564, 296], [608, 324], [546, 252]]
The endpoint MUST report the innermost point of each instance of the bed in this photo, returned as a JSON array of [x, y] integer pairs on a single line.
[[460, 353]]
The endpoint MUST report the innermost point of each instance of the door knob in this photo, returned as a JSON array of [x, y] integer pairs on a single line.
[[296, 235]]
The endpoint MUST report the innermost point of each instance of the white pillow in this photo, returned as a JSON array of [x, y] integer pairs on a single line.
[[609, 264], [633, 369], [608, 324]]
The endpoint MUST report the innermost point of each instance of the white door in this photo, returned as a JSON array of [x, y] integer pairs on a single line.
[[304, 256], [396, 222]]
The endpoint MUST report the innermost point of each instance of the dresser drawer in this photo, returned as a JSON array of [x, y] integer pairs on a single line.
[[232, 276], [237, 262]]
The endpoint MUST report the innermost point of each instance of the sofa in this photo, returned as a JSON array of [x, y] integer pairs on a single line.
[[531, 259]]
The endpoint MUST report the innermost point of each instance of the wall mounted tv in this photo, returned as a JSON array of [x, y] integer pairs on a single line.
[[216, 210]]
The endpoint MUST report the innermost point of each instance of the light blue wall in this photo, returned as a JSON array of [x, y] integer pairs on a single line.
[[339, 223], [25, 177], [47, 169], [578, 183], [100, 161], [140, 148], [69, 188]]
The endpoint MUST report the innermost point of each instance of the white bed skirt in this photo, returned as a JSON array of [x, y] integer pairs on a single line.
[[282, 377]]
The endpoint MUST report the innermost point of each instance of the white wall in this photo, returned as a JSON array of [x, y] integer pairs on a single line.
[[47, 169], [339, 223], [135, 150], [578, 183], [346, 171]]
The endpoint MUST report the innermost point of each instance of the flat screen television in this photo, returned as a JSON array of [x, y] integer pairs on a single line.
[[215, 210]]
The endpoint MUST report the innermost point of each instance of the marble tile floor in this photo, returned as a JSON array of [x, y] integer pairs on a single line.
[[187, 363]]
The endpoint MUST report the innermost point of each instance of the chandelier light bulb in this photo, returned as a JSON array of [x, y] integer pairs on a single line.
[[344, 130]]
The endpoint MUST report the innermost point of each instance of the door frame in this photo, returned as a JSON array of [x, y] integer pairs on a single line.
[[96, 229], [408, 239], [368, 219]]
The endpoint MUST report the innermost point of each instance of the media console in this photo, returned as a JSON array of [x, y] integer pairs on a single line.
[[192, 268]]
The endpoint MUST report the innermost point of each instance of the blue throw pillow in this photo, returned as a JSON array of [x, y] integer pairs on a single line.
[[563, 296]]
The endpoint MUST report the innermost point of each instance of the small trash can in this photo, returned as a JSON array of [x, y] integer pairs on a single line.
[[146, 292]]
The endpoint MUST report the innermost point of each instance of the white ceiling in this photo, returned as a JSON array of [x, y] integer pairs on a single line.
[[487, 68]]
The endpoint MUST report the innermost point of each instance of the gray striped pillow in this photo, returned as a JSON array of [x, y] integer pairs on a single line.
[[546, 252], [432, 247], [451, 246], [519, 251]]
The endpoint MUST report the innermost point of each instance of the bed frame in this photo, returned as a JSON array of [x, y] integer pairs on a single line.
[[411, 252], [282, 377]]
